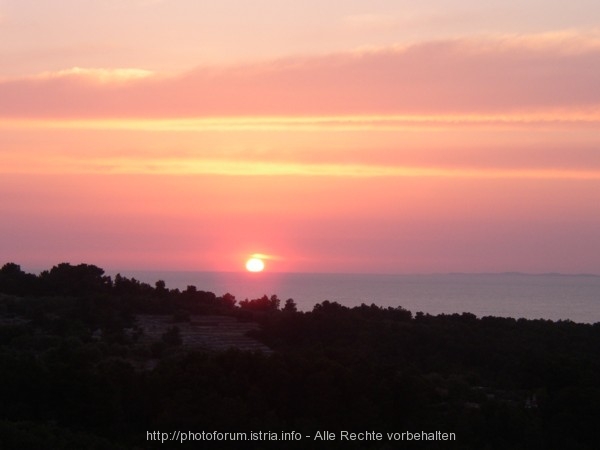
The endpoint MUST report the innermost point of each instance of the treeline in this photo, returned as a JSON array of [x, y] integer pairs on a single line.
[[76, 373], [91, 282]]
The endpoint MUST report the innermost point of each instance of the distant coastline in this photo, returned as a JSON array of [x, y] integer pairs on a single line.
[[553, 296]]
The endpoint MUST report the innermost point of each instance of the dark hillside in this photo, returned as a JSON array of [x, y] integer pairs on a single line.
[[87, 361]]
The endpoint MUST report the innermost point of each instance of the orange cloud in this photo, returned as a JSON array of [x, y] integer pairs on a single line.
[[492, 76], [519, 145], [96, 75]]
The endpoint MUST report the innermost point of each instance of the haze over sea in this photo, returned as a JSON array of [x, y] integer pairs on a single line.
[[544, 296]]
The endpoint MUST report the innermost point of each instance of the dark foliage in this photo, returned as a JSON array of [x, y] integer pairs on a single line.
[[75, 373]]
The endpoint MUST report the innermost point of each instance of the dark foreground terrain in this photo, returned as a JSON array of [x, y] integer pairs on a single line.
[[91, 362]]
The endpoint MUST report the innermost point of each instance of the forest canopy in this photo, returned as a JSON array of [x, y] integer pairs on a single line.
[[80, 367]]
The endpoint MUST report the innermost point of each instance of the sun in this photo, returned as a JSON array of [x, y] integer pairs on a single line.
[[255, 265]]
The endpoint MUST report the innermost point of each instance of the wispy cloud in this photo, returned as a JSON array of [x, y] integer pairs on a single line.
[[99, 75], [391, 122], [191, 166], [464, 76]]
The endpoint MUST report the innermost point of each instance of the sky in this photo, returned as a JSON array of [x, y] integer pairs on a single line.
[[341, 136]]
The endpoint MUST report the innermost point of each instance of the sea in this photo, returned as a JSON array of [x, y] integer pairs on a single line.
[[540, 296]]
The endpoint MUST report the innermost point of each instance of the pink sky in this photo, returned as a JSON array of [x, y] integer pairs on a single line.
[[389, 144]]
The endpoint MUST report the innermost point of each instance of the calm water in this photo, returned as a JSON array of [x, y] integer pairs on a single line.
[[552, 297]]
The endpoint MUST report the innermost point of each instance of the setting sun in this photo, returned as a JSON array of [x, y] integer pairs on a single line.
[[255, 265]]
